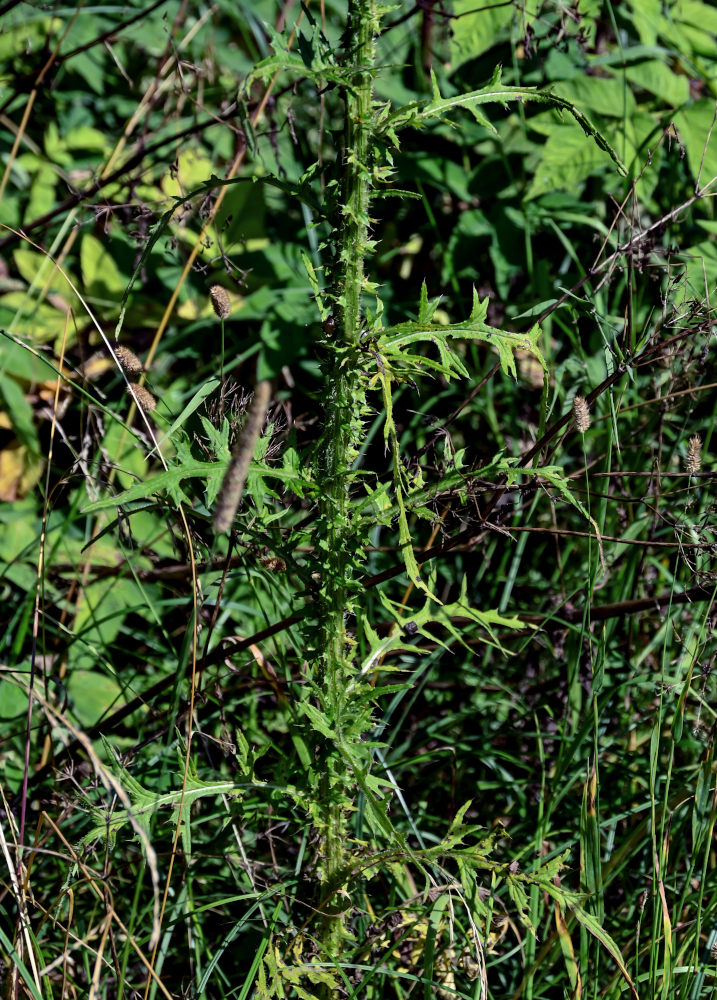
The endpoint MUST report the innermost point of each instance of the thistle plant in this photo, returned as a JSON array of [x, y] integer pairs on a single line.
[[344, 656]]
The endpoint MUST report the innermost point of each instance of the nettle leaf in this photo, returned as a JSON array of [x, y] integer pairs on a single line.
[[420, 113], [394, 341]]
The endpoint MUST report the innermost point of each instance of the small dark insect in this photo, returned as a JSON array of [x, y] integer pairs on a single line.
[[410, 629], [330, 325]]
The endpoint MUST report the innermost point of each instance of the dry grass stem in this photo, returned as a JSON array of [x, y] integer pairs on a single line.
[[235, 478]]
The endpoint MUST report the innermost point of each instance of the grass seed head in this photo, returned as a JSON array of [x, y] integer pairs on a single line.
[[275, 564], [129, 360], [143, 397], [581, 413], [235, 477], [220, 301], [693, 461]]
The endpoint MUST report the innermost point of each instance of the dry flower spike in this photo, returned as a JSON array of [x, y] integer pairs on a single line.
[[143, 397], [275, 564], [581, 413], [221, 302], [235, 477], [693, 461], [128, 360]]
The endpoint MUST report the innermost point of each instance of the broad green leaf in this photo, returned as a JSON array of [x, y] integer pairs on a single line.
[[43, 193], [193, 169], [695, 125], [566, 160], [477, 28], [101, 277], [86, 137], [646, 16], [603, 95], [20, 413], [691, 28], [13, 700], [92, 692], [657, 78], [101, 612]]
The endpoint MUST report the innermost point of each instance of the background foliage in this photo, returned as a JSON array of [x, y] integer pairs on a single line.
[[584, 736]]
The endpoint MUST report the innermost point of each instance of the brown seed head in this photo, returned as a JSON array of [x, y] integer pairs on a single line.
[[143, 397], [275, 564], [129, 360], [221, 302], [693, 461], [581, 413]]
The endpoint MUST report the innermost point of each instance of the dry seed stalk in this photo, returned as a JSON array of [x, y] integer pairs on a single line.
[[235, 477]]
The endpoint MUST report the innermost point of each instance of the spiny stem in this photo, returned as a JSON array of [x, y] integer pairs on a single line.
[[340, 443]]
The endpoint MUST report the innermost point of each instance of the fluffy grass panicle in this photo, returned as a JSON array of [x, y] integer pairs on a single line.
[[581, 414], [693, 460]]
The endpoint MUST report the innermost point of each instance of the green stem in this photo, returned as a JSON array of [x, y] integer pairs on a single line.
[[340, 443]]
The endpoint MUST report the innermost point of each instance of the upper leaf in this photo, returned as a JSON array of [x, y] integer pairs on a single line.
[[419, 113]]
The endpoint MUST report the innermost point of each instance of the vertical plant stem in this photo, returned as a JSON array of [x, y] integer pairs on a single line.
[[340, 443]]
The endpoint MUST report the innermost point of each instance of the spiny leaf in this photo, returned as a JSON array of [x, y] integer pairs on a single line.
[[169, 482], [393, 341], [495, 92]]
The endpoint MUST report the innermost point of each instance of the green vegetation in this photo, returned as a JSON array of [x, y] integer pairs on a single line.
[[357, 545]]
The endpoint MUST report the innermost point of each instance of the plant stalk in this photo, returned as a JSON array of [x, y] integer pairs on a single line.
[[341, 439]]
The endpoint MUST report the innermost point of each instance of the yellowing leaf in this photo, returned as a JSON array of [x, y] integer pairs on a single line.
[[192, 170], [19, 471]]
